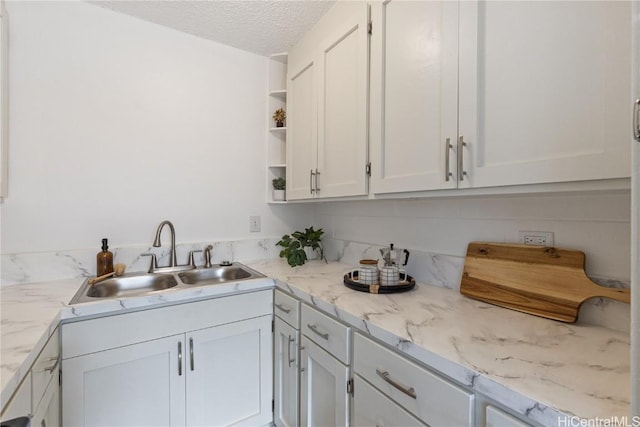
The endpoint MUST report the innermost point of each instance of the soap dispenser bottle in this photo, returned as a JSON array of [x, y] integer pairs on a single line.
[[104, 260]]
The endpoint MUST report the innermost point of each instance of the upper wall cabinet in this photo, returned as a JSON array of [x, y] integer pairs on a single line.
[[414, 95], [495, 93], [327, 98], [544, 91]]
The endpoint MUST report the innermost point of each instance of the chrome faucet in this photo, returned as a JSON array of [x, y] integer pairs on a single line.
[[156, 243]]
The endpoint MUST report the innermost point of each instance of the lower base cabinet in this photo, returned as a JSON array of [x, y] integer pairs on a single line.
[[324, 400], [372, 408], [497, 418], [205, 376], [286, 379], [430, 398]]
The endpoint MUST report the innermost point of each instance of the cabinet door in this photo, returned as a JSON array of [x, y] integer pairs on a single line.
[[342, 116], [324, 400], [414, 95], [372, 408], [498, 418], [544, 91], [302, 131], [286, 378], [140, 384], [229, 374], [48, 413]]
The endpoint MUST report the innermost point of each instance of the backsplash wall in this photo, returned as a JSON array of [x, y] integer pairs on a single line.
[[437, 231], [117, 124]]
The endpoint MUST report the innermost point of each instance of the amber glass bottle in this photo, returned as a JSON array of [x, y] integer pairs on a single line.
[[104, 260]]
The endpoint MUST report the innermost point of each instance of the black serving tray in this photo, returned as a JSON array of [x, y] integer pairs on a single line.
[[351, 281]]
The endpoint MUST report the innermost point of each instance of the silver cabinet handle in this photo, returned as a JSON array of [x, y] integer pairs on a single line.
[[461, 171], [317, 186], [636, 120], [281, 308], [289, 351], [179, 358], [447, 170], [314, 328], [191, 352], [52, 368], [311, 175], [408, 391]]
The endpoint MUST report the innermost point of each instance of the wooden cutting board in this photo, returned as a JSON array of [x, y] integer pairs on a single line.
[[544, 281]]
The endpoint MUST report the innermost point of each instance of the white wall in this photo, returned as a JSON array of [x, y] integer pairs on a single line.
[[598, 224], [117, 124]]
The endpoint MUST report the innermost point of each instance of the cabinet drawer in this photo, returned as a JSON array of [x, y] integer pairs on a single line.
[[432, 399], [372, 408], [287, 308], [104, 333], [329, 334], [498, 418], [44, 369]]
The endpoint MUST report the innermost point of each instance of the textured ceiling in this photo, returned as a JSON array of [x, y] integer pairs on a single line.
[[260, 26]]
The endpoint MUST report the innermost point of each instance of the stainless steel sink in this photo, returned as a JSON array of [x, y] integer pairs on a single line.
[[131, 284], [216, 274], [144, 283]]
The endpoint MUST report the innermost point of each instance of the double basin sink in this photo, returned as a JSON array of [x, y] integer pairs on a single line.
[[145, 283]]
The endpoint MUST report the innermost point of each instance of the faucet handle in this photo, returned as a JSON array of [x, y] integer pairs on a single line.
[[192, 259], [154, 261], [207, 256]]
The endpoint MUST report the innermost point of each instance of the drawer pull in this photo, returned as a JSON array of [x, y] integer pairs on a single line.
[[314, 328], [191, 352], [289, 350], [408, 391], [52, 368], [283, 309]]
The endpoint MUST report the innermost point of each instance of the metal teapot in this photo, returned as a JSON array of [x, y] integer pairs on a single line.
[[393, 256]]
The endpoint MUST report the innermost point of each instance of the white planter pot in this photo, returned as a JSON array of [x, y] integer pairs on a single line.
[[278, 195]]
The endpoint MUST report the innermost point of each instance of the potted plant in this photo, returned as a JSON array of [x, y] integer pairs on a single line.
[[279, 185], [279, 116], [294, 245]]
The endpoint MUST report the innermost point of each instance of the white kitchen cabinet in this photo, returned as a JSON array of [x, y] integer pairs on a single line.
[[324, 396], [327, 100], [286, 353], [202, 363], [20, 403], [372, 408], [432, 399], [38, 396], [48, 413], [286, 376], [414, 95], [140, 384], [229, 374], [478, 94], [324, 370], [497, 418], [544, 91]]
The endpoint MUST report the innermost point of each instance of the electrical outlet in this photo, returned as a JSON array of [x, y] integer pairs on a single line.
[[254, 223], [538, 238]]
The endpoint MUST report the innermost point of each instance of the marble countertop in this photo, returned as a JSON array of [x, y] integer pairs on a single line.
[[31, 313], [540, 368]]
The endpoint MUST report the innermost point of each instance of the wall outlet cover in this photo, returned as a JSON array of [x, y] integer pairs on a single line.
[[537, 238]]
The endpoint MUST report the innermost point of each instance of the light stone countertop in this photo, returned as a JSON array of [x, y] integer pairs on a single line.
[[540, 368]]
